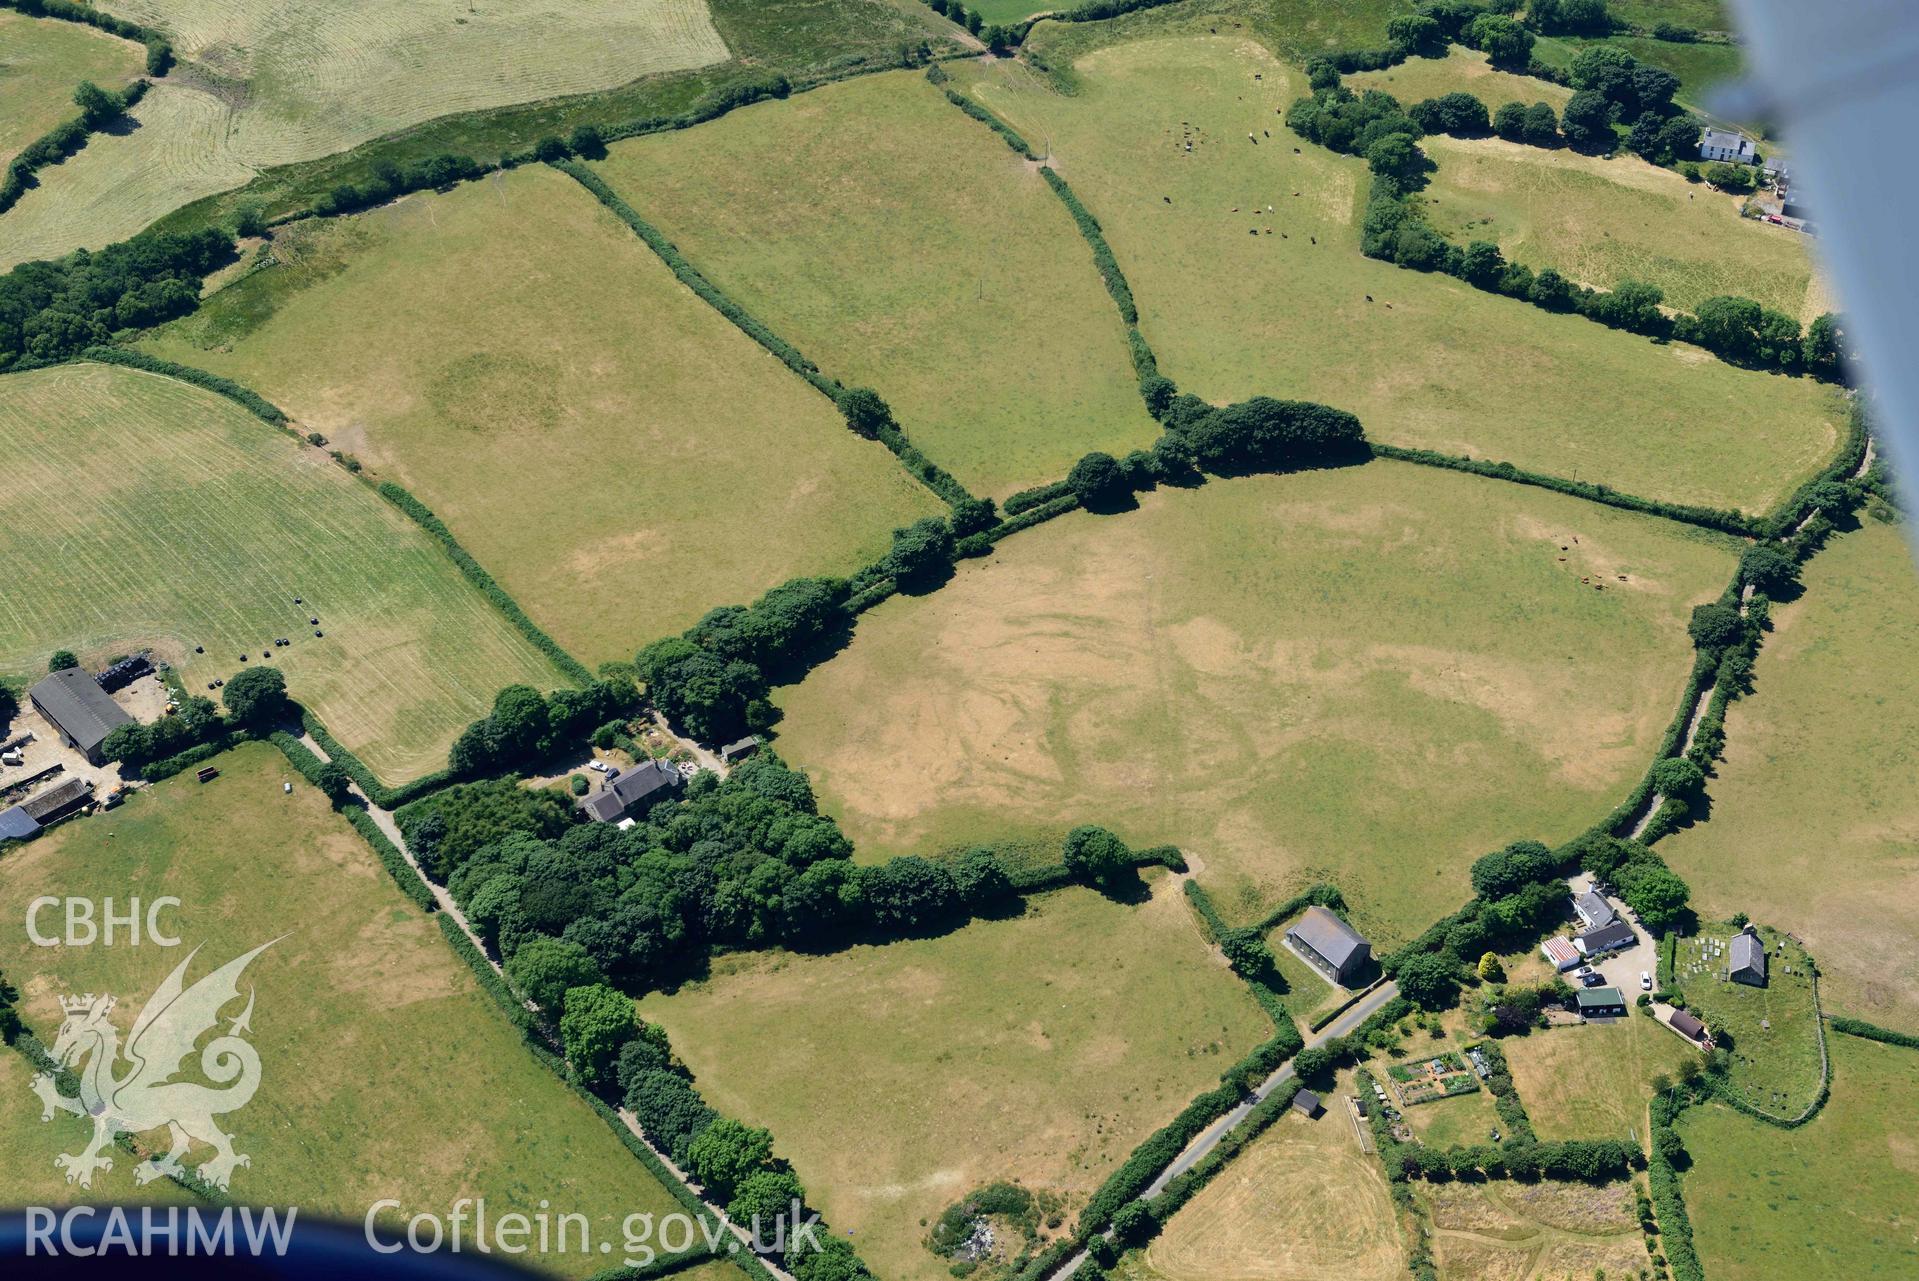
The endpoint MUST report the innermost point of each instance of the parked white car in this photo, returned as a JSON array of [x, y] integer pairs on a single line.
[[1645, 981]]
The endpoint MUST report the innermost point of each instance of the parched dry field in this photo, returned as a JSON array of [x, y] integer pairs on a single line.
[[902, 246], [613, 450], [1601, 220], [175, 152], [1423, 359], [385, 1071], [1830, 1201], [1302, 1203], [1462, 70], [144, 512], [1541, 1231], [1379, 674], [1041, 1048], [42, 61], [1815, 810], [1593, 1081], [317, 76]]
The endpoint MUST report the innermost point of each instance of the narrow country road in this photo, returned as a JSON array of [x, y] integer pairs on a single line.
[[1210, 1137]]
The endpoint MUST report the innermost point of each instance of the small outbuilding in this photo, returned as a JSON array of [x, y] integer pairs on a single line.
[[1560, 951], [1688, 1026], [1329, 945], [739, 749], [641, 784], [66, 797], [1307, 1104], [1601, 1003], [74, 704], [1747, 958]]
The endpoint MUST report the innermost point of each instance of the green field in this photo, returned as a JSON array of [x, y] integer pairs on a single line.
[[897, 1079], [143, 512], [902, 246], [1457, 1121], [27, 1145], [1541, 1230], [613, 450], [1700, 15], [1698, 66], [176, 153], [1295, 29], [1422, 359], [1461, 70], [385, 1071], [42, 61], [1831, 1201], [1380, 674], [1815, 810], [1772, 1031], [1600, 221], [992, 11], [1593, 1081]]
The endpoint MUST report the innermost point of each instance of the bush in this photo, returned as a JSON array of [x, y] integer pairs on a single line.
[[1266, 435]]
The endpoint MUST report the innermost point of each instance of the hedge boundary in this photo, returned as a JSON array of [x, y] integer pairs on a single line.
[[378, 793], [917, 464], [56, 146], [1873, 1032], [423, 516], [159, 49], [307, 766], [245, 397]]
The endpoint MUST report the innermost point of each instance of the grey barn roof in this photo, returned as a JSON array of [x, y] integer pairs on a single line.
[[1306, 1101], [1606, 938], [630, 788], [56, 798], [1329, 936], [1595, 909], [74, 701], [1748, 955], [16, 824]]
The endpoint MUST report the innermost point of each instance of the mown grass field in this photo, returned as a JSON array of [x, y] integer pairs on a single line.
[[317, 76], [611, 448], [42, 61], [143, 512], [28, 1145], [1428, 361], [1041, 1048], [1815, 810], [1772, 1031], [1381, 674], [1462, 70], [175, 152], [902, 246], [1833, 1199], [1593, 1081], [1600, 221], [1538, 1231], [385, 1071], [1302, 1203]]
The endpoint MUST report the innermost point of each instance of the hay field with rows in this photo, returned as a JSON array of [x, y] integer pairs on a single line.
[[143, 512], [1040, 1048], [1424, 360], [42, 61], [903, 246], [1543, 1230], [1815, 810], [1592, 1082], [1368, 676], [385, 1071], [611, 448], [174, 152]]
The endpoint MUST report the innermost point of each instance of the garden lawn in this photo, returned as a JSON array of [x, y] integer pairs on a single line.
[[1772, 1031], [1384, 672], [1301, 1203], [141, 511], [1831, 1201], [1600, 221], [901, 245], [1462, 70], [1815, 810], [1593, 1081], [1459, 1120], [42, 61], [1041, 1048], [613, 450], [1424, 360], [385, 1071]]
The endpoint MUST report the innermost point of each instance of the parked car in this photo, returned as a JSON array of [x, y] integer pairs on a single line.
[[1591, 978], [1645, 981]]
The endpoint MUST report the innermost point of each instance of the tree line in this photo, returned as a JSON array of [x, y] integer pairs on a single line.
[[51, 311]]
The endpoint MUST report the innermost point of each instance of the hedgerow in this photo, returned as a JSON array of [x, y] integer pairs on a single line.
[[423, 516], [159, 51], [1026, 499], [1873, 1032], [245, 397], [60, 142], [1095, 236], [937, 75], [379, 793]]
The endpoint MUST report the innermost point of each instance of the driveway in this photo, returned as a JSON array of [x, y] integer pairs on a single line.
[[1623, 969]]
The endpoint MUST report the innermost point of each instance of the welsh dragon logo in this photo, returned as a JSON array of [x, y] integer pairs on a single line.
[[143, 1096]]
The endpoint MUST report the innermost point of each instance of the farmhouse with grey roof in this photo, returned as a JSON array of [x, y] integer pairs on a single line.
[[73, 703], [1593, 910], [1607, 938], [1330, 945], [1726, 144], [641, 783], [1747, 958]]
